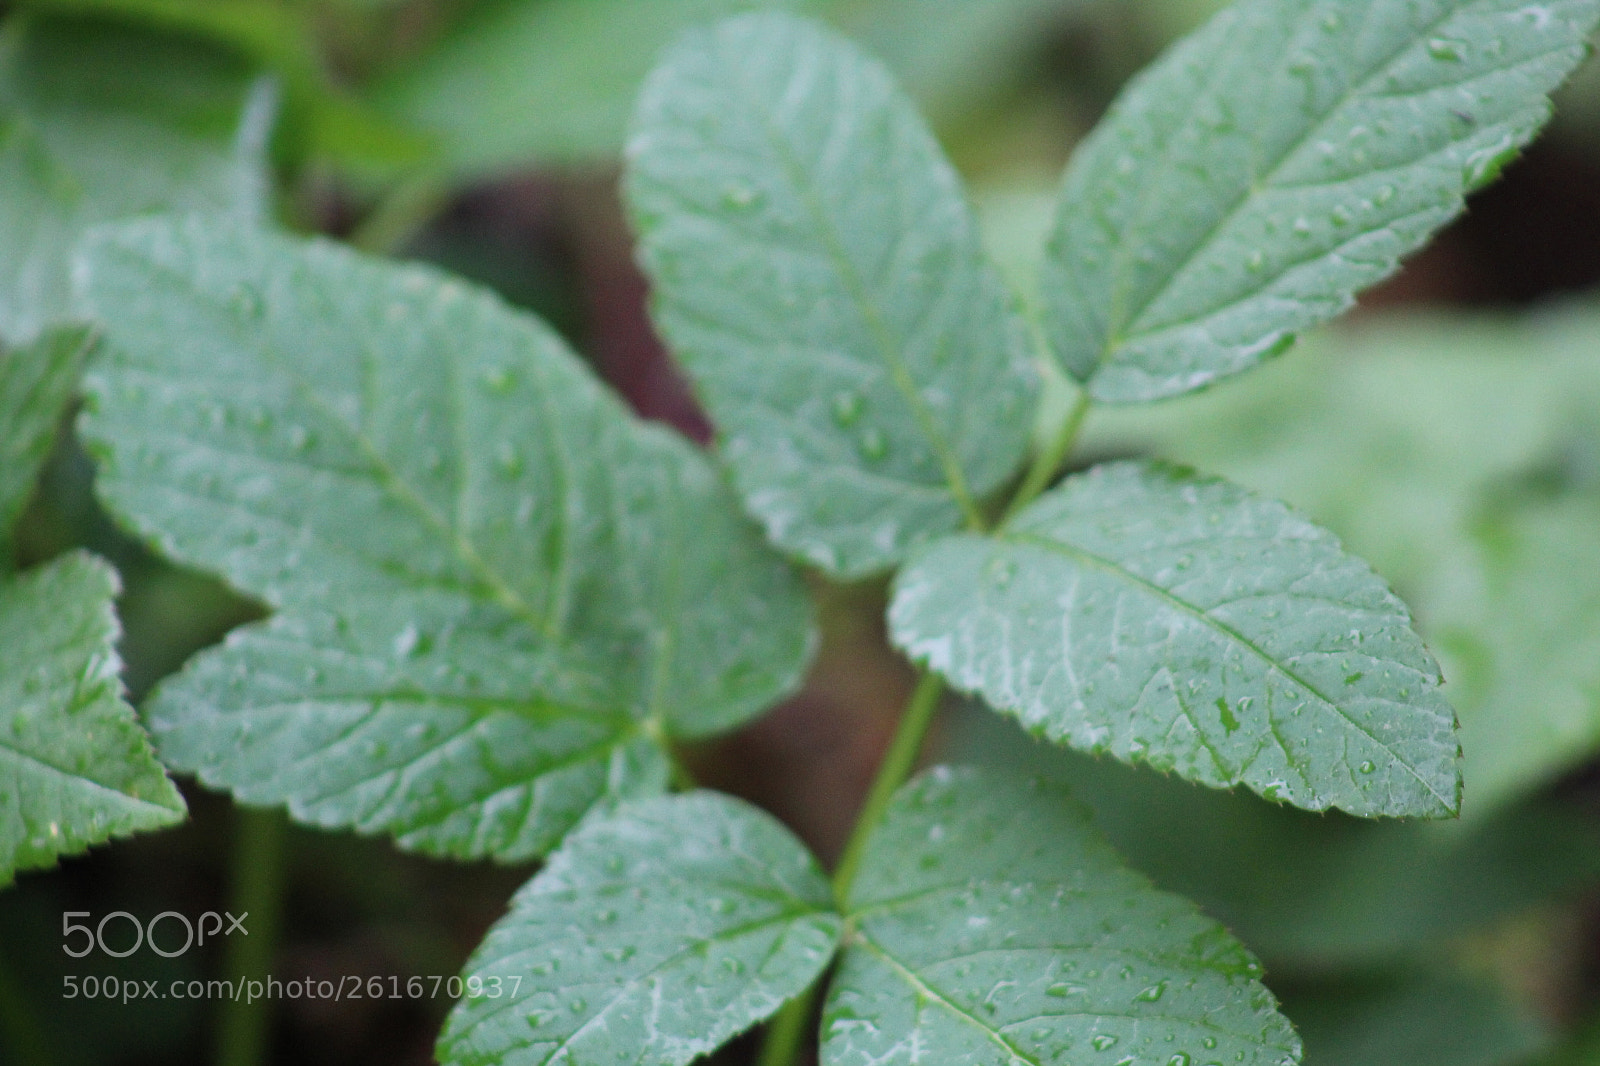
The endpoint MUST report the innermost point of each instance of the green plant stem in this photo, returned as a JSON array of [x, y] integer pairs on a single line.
[[787, 1030], [22, 1038], [1048, 461], [400, 215], [897, 765], [258, 874]]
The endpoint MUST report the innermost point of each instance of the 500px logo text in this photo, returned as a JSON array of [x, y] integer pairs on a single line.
[[194, 933]]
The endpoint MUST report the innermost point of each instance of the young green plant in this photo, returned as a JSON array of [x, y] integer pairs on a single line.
[[498, 599]]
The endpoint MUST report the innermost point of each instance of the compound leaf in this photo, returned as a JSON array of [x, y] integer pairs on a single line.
[[1276, 163], [36, 381], [75, 768], [992, 922], [495, 591], [99, 123], [796, 215], [652, 936], [1143, 610]]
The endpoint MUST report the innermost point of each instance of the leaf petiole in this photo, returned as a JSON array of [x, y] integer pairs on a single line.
[[1047, 462]]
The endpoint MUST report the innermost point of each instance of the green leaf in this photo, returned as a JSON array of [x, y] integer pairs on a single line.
[[36, 381], [653, 936], [517, 83], [993, 924], [1145, 611], [1525, 645], [496, 592], [795, 215], [1467, 470], [1277, 162], [100, 123], [75, 768]]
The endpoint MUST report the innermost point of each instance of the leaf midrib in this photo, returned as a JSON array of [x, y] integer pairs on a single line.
[[1117, 339], [899, 375], [385, 474], [788, 917], [1116, 570], [929, 993]]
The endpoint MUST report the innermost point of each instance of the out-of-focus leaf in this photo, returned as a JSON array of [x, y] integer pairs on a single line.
[[497, 593], [36, 382], [75, 768], [950, 53], [1421, 1019], [1182, 621], [517, 83], [1276, 163], [550, 82], [992, 925], [1438, 422], [98, 123], [652, 936], [1311, 893], [797, 217], [322, 119]]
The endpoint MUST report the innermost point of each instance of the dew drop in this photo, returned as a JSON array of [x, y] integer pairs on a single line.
[[577, 1006], [248, 302], [1446, 50], [1063, 990], [847, 408], [509, 460], [498, 380], [299, 438], [408, 643], [874, 445], [1103, 1042], [1367, 767], [1001, 571], [1257, 262], [740, 197], [1180, 1059], [1209, 1042], [1153, 993]]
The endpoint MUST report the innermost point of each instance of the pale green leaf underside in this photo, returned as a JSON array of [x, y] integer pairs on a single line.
[[820, 276], [654, 935], [495, 590], [36, 381], [75, 768], [1276, 163], [100, 123], [1181, 621], [994, 927]]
